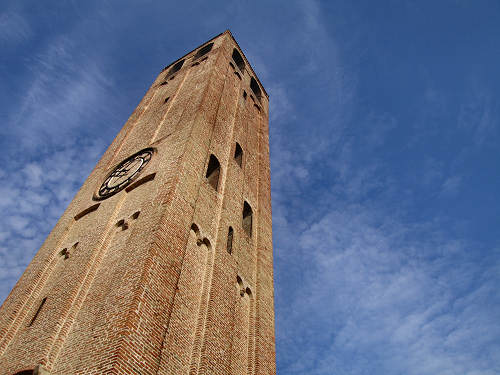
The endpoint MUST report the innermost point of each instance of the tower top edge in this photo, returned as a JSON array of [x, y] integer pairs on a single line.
[[226, 32]]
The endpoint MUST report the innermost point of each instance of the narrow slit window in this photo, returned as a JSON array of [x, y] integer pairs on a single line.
[[255, 88], [238, 60], [38, 311], [229, 246], [87, 211], [204, 50], [247, 219], [136, 184], [174, 69], [213, 172], [238, 154]]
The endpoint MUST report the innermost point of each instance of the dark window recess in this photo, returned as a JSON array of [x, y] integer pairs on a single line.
[[247, 219], [195, 229], [213, 172], [38, 311], [166, 99], [65, 253], [25, 372], [136, 184], [241, 288], [229, 246], [122, 224], [204, 50], [244, 94], [175, 69], [255, 88], [87, 211], [238, 154], [238, 60]]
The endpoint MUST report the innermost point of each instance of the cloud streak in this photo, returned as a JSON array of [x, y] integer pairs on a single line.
[[382, 159], [14, 28]]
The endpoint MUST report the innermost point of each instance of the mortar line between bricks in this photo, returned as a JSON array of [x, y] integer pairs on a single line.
[[84, 288], [198, 350], [181, 165]]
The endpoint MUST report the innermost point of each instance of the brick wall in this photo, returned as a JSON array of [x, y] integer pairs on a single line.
[[141, 282]]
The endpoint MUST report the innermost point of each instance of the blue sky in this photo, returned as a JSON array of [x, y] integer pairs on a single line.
[[384, 155]]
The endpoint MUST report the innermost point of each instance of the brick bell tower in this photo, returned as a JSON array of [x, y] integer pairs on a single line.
[[162, 263]]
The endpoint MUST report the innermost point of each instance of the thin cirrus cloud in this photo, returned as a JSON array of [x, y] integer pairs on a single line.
[[373, 287], [63, 93], [383, 142], [14, 28]]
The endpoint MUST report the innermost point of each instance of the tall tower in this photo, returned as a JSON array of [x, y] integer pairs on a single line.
[[162, 263]]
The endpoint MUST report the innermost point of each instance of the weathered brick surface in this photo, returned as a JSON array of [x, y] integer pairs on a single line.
[[141, 282]]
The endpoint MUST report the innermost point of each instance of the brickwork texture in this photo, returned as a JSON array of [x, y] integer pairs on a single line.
[[152, 280]]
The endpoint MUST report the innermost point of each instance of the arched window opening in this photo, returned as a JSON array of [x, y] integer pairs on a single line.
[[255, 88], [195, 229], [64, 253], [175, 69], [238, 60], [247, 219], [204, 50], [229, 246], [239, 285], [238, 154], [213, 172]]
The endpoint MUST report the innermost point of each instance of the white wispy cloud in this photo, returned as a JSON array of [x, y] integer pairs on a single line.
[[362, 285], [364, 290], [378, 286], [13, 28], [478, 113], [451, 185], [33, 200], [65, 90], [51, 128]]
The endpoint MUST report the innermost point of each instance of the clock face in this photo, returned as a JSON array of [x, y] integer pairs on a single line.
[[124, 173]]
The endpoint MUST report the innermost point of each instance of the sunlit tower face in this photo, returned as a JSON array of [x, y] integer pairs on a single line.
[[162, 263]]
